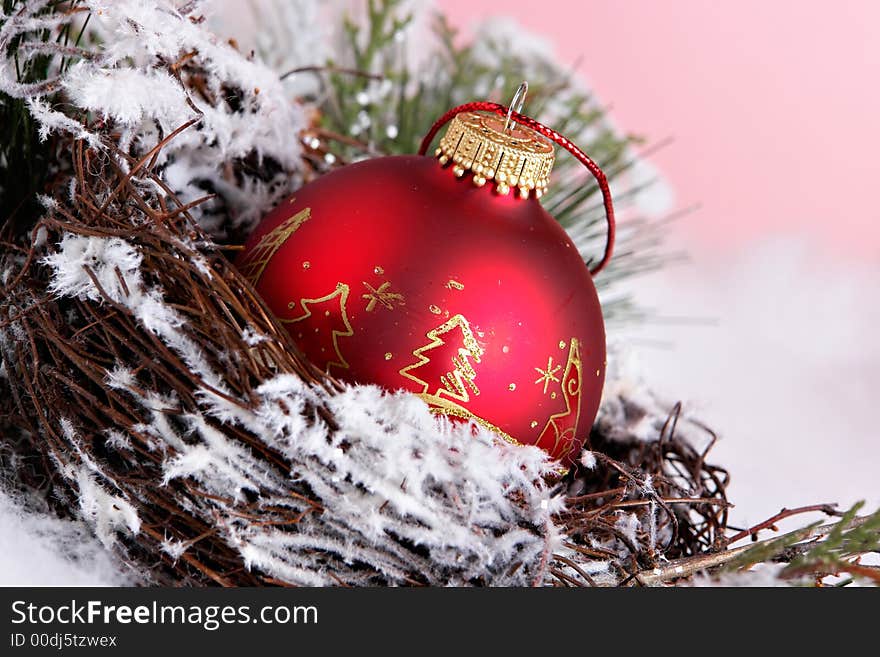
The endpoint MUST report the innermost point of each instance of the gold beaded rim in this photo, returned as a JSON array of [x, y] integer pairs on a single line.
[[519, 158]]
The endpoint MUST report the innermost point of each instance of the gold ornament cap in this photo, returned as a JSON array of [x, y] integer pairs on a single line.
[[512, 155]]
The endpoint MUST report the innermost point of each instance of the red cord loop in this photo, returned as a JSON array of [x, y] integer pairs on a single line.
[[555, 137]]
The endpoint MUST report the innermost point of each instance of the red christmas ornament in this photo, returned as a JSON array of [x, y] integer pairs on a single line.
[[412, 273]]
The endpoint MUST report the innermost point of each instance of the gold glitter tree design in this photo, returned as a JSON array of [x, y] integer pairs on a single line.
[[257, 260], [452, 347], [325, 319]]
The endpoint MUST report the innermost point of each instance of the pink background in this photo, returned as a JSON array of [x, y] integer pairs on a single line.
[[773, 106]]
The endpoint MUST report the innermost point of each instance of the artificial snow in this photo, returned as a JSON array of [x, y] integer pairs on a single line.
[[112, 261], [129, 96], [38, 549]]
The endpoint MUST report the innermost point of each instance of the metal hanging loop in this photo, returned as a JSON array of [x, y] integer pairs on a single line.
[[516, 105]]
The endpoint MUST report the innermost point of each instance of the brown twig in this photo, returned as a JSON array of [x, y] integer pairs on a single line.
[[332, 69], [687, 567], [770, 523]]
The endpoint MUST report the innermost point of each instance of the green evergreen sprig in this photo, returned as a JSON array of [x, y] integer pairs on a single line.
[[815, 552], [26, 160]]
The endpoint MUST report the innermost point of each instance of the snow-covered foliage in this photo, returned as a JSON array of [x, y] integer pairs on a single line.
[[391, 486], [149, 68], [285, 35]]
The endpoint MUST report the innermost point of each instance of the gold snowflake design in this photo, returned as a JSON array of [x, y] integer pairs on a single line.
[[383, 295], [548, 375]]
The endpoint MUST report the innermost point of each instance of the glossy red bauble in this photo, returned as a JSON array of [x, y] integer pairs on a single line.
[[396, 272]]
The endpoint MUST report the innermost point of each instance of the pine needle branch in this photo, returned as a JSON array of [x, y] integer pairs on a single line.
[[812, 552], [25, 159]]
